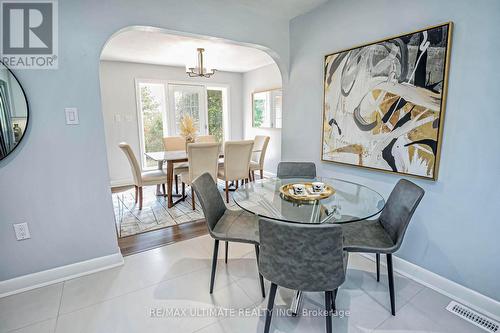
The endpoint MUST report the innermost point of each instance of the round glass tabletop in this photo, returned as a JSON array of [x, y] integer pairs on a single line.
[[351, 202]]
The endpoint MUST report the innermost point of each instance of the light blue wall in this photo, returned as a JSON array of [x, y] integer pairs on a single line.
[[58, 178], [455, 231]]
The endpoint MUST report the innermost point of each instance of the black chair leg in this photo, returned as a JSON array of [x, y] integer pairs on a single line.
[[227, 250], [214, 265], [261, 279], [377, 255], [270, 305], [391, 283], [328, 306], [334, 297]]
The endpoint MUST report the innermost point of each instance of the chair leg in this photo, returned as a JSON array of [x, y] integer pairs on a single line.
[[192, 198], [136, 194], [261, 279], [227, 251], [270, 305], [227, 191], [140, 198], [328, 306], [164, 188], [253, 175], [176, 184], [334, 297], [377, 256], [261, 173], [214, 265], [183, 191], [390, 275]]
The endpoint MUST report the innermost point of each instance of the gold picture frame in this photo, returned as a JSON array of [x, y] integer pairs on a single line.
[[375, 91]]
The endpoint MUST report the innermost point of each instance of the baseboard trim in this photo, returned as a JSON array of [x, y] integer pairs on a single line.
[[44, 278], [442, 285]]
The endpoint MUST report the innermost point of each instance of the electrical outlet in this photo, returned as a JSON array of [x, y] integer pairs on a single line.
[[22, 231]]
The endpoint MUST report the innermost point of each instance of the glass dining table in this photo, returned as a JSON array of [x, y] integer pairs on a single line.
[[351, 202]]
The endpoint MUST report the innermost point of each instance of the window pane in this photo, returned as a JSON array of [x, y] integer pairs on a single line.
[[186, 103], [152, 105], [215, 117]]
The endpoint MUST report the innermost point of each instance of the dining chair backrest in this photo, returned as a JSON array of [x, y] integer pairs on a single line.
[[237, 156], [174, 143], [296, 170], [206, 138], [203, 157], [399, 209], [210, 199], [134, 164], [260, 144], [304, 257]]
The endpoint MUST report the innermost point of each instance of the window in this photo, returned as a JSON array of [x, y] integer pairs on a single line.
[[151, 120], [187, 100], [217, 104], [267, 109], [161, 105]]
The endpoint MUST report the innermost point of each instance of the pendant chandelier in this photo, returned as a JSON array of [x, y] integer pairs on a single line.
[[200, 70]]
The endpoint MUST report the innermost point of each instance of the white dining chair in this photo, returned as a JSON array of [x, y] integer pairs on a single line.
[[203, 157], [236, 164], [206, 138], [176, 143], [258, 156], [142, 178]]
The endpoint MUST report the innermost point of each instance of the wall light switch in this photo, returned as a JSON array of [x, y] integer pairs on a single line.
[[22, 231], [72, 116]]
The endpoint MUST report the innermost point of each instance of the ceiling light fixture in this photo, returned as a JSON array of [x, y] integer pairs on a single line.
[[200, 70]]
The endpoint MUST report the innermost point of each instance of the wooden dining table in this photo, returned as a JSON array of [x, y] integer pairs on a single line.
[[171, 158]]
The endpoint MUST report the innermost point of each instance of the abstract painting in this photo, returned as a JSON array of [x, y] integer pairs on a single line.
[[384, 103]]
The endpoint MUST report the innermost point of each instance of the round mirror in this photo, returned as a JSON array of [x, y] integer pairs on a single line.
[[13, 112]]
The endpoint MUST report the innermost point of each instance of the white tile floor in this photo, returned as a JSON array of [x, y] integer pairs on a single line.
[[177, 277]]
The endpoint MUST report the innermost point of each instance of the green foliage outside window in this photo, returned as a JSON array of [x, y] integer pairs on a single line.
[[215, 118], [258, 112], [152, 122]]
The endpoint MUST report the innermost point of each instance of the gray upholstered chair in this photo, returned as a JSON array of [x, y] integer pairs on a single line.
[[385, 234], [296, 170], [225, 224], [303, 257]]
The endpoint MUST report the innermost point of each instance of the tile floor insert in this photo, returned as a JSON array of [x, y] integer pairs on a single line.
[[131, 298], [155, 213]]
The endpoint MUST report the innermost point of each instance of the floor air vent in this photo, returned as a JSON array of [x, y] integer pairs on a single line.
[[473, 317]]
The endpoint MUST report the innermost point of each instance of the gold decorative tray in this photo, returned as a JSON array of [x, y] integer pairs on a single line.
[[287, 193]]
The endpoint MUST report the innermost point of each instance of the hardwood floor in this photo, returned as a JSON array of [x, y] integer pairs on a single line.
[[156, 238]]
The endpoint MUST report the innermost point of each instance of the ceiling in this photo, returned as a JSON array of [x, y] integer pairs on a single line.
[[283, 8], [154, 47]]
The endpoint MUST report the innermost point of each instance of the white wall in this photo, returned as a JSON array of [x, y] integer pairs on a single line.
[[118, 94], [58, 178], [455, 230], [267, 77]]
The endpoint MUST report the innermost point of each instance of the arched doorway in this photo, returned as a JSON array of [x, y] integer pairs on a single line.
[[142, 70]]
